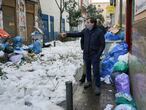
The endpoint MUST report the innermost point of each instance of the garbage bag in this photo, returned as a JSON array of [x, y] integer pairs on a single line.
[[113, 45], [124, 107], [2, 54], [118, 50], [4, 34], [30, 47], [9, 49], [122, 35], [17, 41], [120, 66], [122, 83], [107, 66], [37, 36], [16, 58], [124, 58], [124, 98], [37, 47], [111, 36], [114, 75]]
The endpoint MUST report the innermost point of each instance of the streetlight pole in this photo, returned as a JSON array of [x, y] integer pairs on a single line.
[[129, 23], [121, 6]]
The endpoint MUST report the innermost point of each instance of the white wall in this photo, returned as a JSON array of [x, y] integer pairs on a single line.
[[50, 8]]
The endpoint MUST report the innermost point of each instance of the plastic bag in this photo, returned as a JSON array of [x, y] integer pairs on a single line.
[[124, 58], [124, 98], [122, 83], [37, 47], [120, 66], [122, 35], [107, 66], [114, 75], [2, 54], [16, 58], [124, 107], [9, 49], [118, 50], [17, 41], [111, 36]]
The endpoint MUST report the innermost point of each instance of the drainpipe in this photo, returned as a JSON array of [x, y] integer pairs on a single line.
[[121, 12], [81, 3], [1, 14], [129, 24], [111, 15]]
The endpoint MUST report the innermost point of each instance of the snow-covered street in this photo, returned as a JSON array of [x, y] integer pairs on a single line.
[[40, 85]]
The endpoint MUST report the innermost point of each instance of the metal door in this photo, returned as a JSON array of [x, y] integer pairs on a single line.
[[52, 28], [9, 17], [45, 28]]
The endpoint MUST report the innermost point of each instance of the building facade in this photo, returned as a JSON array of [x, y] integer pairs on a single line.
[[51, 18], [137, 59], [83, 5], [101, 8], [117, 18], [17, 17]]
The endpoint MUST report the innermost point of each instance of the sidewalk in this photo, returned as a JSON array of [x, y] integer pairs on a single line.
[[87, 100]]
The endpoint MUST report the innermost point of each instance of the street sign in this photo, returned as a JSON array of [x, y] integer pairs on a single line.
[[110, 9]]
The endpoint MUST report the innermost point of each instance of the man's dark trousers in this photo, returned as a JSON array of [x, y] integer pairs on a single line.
[[93, 60]]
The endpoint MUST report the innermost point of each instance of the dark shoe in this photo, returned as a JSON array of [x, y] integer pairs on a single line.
[[82, 80], [87, 85], [97, 90]]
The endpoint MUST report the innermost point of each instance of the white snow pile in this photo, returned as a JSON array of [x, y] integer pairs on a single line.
[[40, 85]]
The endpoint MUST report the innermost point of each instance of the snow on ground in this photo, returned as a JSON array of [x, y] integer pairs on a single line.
[[40, 85]]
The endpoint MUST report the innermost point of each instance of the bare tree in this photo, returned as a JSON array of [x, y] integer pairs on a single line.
[[61, 7]]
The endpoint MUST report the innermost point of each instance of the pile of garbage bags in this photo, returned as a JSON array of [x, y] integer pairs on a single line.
[[115, 33], [12, 49], [115, 65], [109, 36], [112, 58], [124, 101]]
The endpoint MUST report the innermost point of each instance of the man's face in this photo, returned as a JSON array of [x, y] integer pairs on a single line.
[[88, 24]]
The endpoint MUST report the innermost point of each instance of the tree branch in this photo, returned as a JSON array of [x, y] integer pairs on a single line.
[[63, 5], [58, 5]]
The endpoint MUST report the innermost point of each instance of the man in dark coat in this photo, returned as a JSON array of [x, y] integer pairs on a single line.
[[100, 26], [93, 46]]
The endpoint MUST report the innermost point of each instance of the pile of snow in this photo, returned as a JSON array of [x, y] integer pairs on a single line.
[[40, 85]]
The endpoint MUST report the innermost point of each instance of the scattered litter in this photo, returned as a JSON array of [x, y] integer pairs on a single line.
[[27, 103], [109, 107], [1, 53], [106, 79], [16, 58], [110, 90]]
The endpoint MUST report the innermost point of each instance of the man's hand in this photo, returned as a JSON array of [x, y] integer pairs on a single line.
[[63, 35]]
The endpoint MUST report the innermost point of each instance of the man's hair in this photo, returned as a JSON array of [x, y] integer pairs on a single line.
[[93, 20]]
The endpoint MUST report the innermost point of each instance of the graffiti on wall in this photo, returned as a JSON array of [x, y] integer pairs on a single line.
[[22, 13], [140, 5]]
